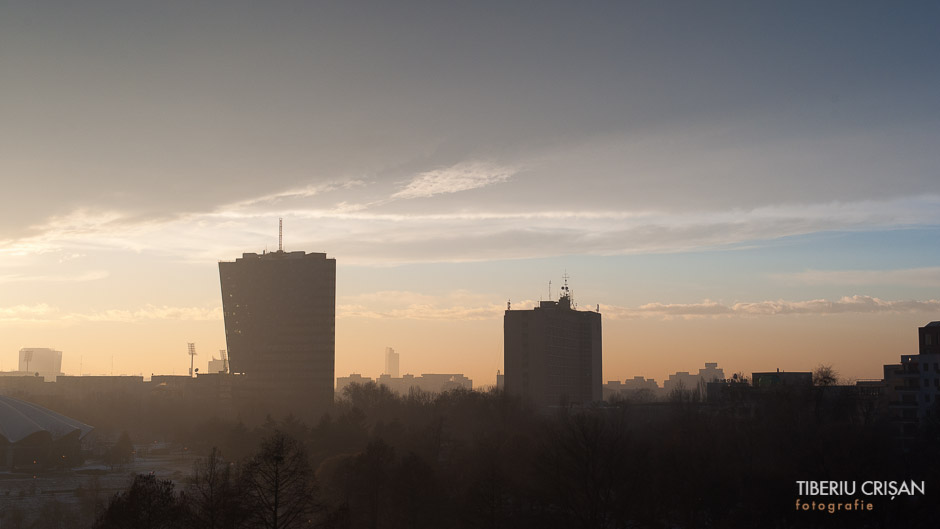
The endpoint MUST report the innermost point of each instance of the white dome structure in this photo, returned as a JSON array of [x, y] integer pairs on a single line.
[[33, 438], [20, 419]]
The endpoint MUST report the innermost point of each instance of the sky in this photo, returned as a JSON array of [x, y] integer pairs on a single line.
[[754, 184]]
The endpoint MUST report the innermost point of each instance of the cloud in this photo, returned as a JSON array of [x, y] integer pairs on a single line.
[[459, 305], [149, 312], [43, 313], [23, 313], [422, 312], [456, 178], [846, 305], [409, 305], [362, 235], [916, 277], [93, 275], [297, 193], [464, 306]]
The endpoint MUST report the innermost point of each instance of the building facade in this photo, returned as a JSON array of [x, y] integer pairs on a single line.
[[685, 381], [552, 354], [636, 387], [280, 316]]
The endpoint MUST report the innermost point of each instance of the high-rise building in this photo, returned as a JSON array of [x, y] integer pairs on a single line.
[[913, 387], [391, 362], [46, 362], [552, 353], [280, 314]]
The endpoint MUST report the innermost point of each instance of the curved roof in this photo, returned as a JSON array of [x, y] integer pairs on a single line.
[[20, 419]]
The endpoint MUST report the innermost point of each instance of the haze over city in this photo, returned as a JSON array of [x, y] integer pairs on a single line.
[[759, 191]]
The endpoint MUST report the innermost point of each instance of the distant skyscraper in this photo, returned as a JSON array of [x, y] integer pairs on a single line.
[[391, 362], [552, 353], [46, 362], [280, 313]]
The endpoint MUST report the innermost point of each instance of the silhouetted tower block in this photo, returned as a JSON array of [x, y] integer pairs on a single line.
[[552, 353], [280, 314]]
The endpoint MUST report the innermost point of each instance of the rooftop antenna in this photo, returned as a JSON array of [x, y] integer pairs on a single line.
[[508, 304], [280, 234], [549, 289], [565, 291], [192, 357]]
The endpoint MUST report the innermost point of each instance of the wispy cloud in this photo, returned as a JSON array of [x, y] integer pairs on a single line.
[[23, 278], [845, 305], [459, 305], [302, 192], [916, 277], [456, 178], [463, 306], [408, 305], [44, 313], [21, 313], [149, 312], [360, 234]]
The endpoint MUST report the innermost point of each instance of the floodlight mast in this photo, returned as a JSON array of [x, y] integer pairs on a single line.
[[192, 357]]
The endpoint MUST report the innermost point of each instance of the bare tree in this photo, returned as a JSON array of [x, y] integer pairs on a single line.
[[214, 496], [825, 375], [280, 485]]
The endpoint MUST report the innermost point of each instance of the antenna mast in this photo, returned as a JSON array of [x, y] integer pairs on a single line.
[[192, 356], [565, 291], [280, 234]]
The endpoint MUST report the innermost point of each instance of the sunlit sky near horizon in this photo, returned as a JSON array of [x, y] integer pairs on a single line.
[[757, 185]]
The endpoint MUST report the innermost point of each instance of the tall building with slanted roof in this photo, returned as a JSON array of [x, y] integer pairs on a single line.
[[552, 353], [280, 316]]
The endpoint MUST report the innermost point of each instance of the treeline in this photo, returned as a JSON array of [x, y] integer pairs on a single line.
[[471, 459]]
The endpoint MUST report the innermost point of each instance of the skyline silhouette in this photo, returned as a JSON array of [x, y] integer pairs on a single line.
[[761, 172]]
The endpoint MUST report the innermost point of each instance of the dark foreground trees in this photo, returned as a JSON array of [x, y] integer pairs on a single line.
[[273, 489], [149, 503], [486, 460]]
